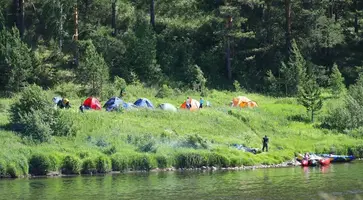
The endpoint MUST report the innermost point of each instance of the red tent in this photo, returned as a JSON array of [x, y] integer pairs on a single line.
[[93, 103]]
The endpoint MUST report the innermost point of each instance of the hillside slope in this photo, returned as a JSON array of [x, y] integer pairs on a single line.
[[146, 139]]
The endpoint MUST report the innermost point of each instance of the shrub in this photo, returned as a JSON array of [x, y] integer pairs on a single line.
[[142, 162], [35, 127], [89, 166], [39, 164], [162, 161], [31, 99], [218, 160], [12, 171], [2, 168], [235, 161], [63, 125], [164, 91], [103, 164], [119, 162], [35, 118], [69, 90], [196, 142], [54, 162], [190, 160], [71, 165]]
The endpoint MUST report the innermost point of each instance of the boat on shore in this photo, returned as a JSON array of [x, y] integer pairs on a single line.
[[338, 158], [313, 160]]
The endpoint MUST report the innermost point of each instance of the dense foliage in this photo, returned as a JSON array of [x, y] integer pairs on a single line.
[[221, 41]]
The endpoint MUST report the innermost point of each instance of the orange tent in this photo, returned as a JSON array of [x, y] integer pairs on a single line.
[[194, 105], [243, 102]]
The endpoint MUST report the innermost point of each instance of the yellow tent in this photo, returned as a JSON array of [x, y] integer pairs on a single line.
[[243, 102]]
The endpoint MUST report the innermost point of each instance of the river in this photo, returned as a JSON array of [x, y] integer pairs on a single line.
[[337, 180]]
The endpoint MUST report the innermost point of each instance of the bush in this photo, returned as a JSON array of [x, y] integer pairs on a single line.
[[89, 166], [196, 142], [119, 162], [35, 127], [164, 92], [162, 161], [218, 160], [35, 118], [143, 162], [2, 168], [63, 125], [235, 162], [71, 165], [31, 99], [55, 162], [190, 160], [39, 164], [12, 171], [69, 90], [103, 164]]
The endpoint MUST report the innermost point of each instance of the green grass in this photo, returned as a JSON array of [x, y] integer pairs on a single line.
[[145, 139]]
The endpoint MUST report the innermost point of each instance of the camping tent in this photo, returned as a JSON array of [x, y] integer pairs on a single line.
[[144, 103], [167, 107], [242, 101], [92, 103], [113, 103], [194, 105]]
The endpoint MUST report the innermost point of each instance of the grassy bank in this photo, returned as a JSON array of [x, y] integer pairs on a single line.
[[145, 139]]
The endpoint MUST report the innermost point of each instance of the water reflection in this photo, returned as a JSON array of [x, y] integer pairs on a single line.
[[288, 183]]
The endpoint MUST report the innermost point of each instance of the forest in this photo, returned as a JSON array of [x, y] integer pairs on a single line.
[[263, 45]]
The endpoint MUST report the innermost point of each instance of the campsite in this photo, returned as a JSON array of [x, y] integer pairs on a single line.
[[146, 139]]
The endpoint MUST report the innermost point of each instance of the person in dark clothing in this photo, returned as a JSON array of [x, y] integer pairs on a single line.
[[63, 103], [265, 143]]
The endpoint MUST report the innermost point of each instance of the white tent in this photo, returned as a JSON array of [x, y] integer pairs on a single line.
[[168, 107]]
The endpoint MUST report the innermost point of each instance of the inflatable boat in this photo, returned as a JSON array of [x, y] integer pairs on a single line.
[[338, 158]]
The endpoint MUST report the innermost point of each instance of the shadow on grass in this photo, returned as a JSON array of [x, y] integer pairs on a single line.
[[8, 127], [299, 118]]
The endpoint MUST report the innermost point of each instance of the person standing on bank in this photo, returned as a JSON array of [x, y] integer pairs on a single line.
[[201, 102], [265, 143]]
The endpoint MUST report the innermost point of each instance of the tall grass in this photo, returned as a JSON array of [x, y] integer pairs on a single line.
[[144, 139]]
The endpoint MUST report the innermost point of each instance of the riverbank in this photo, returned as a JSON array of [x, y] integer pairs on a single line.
[[143, 140]]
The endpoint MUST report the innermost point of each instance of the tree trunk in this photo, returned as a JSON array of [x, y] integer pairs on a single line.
[[228, 57], [288, 25], [152, 13], [60, 5], [356, 28], [86, 10], [21, 19], [312, 115], [331, 9], [269, 28], [75, 36], [113, 21]]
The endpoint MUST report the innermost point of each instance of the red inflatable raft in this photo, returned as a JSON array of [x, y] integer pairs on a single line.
[[324, 161]]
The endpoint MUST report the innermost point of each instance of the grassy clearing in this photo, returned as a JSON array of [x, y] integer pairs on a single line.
[[145, 139]]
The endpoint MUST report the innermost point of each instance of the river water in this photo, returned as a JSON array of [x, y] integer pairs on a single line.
[[337, 181]]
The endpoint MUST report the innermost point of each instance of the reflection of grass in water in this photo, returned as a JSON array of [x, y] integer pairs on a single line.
[[327, 196]]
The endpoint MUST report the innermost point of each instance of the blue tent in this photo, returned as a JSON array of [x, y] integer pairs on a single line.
[[144, 103], [113, 103]]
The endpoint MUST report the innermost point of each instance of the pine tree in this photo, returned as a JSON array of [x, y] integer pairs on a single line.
[[93, 70], [294, 72], [309, 97], [336, 81], [16, 61]]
